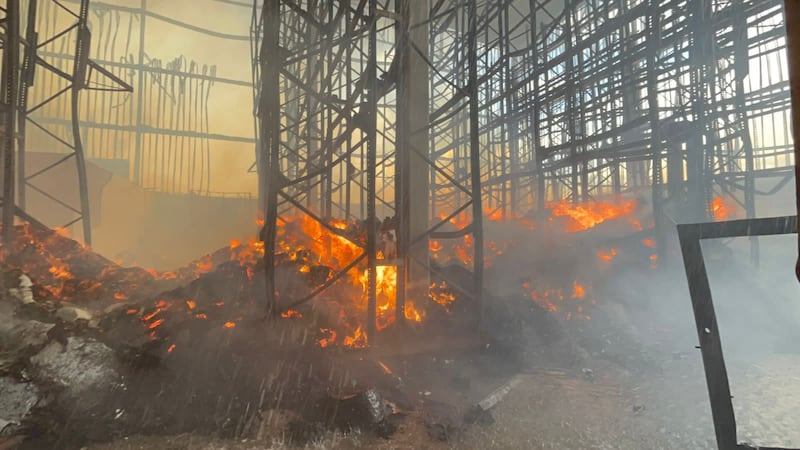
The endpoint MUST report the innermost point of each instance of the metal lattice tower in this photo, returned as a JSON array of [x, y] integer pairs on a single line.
[[28, 88]]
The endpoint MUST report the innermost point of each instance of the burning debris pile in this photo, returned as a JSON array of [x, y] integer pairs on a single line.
[[131, 350]]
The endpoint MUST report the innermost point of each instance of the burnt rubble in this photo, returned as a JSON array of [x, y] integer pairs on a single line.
[[200, 356]]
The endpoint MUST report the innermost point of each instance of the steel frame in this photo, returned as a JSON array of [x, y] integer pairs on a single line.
[[690, 236], [18, 95], [328, 136]]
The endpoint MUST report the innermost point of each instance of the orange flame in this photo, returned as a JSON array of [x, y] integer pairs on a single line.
[[589, 215], [229, 325], [607, 256], [578, 291], [291, 314], [720, 209]]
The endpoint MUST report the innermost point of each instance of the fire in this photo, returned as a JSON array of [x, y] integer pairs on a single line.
[[329, 339], [230, 325], [155, 324], [171, 348], [578, 291], [385, 368], [201, 316], [607, 256], [412, 313], [357, 340], [720, 209], [589, 215], [291, 314], [191, 304], [120, 296], [441, 295]]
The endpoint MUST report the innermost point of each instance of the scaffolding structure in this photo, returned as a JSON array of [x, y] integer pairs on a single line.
[[146, 119], [31, 82], [529, 102]]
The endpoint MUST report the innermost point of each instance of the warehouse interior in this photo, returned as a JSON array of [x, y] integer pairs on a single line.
[[432, 224]]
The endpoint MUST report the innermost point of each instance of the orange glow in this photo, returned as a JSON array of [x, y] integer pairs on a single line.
[[412, 313], [171, 348], [607, 256], [191, 304], [201, 316], [120, 296], [578, 291], [155, 324], [649, 242], [291, 314], [385, 368], [131, 311], [229, 325], [435, 245], [357, 340], [720, 209], [441, 295], [151, 315], [329, 340], [588, 215]]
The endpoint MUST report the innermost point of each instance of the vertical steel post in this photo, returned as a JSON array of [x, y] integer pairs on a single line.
[[26, 81], [137, 151], [371, 114], [10, 88], [792, 21], [475, 161], [653, 46], [78, 83], [269, 108]]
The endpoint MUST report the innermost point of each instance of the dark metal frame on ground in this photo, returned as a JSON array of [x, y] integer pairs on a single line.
[[705, 318]]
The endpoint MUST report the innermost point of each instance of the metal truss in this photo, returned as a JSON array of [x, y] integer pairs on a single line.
[[336, 136], [26, 92], [631, 91], [160, 132]]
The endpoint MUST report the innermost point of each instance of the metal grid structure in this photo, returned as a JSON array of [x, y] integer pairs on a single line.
[[31, 83], [160, 132], [528, 102], [339, 137]]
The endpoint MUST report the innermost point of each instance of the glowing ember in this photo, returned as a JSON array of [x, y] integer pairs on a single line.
[[120, 296], [131, 311], [589, 215], [171, 348], [720, 209], [229, 325], [155, 324], [441, 295], [385, 368], [151, 315], [191, 304], [357, 340], [578, 291], [649, 242], [412, 313], [291, 314], [607, 256], [201, 316], [327, 340]]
